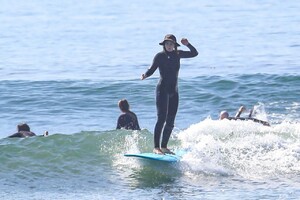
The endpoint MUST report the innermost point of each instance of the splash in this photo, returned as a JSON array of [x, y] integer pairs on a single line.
[[242, 148]]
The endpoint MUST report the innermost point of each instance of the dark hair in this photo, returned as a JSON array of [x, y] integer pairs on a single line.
[[23, 127], [123, 105]]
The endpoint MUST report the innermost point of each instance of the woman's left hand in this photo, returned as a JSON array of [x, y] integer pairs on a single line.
[[184, 41]]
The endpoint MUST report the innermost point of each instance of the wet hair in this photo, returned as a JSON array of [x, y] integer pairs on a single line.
[[176, 51], [124, 105], [23, 127]]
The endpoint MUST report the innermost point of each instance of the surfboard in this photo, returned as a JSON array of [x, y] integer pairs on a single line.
[[157, 157]]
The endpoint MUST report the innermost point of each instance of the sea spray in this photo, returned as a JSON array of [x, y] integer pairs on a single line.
[[245, 149]]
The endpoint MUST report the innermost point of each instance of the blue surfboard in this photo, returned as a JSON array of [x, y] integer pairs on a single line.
[[157, 157]]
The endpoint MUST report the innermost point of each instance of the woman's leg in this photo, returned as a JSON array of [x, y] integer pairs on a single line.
[[172, 110], [162, 109]]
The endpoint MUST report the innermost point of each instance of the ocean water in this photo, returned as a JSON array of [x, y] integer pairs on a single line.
[[65, 64]]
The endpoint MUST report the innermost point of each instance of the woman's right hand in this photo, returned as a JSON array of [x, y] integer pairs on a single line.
[[184, 41]]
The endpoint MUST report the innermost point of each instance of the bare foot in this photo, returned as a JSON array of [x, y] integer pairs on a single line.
[[158, 151], [167, 151]]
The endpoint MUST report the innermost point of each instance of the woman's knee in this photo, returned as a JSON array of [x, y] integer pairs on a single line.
[[170, 121]]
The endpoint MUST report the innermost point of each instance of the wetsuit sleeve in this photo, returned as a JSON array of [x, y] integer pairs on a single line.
[[238, 114], [137, 124], [260, 121], [120, 122], [189, 54], [236, 118], [154, 66]]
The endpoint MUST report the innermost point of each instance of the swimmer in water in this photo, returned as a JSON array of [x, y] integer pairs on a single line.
[[23, 131], [128, 119], [225, 115]]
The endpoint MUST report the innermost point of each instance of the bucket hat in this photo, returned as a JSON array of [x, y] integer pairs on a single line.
[[169, 37]]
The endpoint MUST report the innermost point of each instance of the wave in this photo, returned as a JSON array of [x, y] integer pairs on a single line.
[[58, 105], [212, 148], [242, 148]]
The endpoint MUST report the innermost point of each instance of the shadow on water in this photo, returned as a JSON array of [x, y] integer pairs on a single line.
[[147, 177], [143, 173]]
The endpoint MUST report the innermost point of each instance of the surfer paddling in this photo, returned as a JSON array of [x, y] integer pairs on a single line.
[[23, 131], [225, 115], [168, 63]]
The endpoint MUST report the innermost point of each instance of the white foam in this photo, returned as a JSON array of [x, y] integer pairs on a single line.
[[243, 148]]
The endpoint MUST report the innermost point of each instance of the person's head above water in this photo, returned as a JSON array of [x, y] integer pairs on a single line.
[[23, 127], [123, 105], [224, 115], [170, 37], [169, 43]]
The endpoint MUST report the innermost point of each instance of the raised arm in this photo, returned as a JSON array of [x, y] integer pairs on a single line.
[[188, 54], [241, 109]]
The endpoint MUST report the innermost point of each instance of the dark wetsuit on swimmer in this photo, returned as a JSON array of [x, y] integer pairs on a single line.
[[129, 121], [23, 134], [23, 131], [225, 115], [167, 90], [250, 118]]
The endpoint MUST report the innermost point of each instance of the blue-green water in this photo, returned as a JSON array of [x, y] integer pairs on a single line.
[[64, 66]]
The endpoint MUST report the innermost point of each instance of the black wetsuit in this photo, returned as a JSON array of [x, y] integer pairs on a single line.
[[128, 120], [250, 118], [167, 91], [22, 134]]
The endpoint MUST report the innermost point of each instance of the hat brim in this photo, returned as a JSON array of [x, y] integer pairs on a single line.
[[163, 42]]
